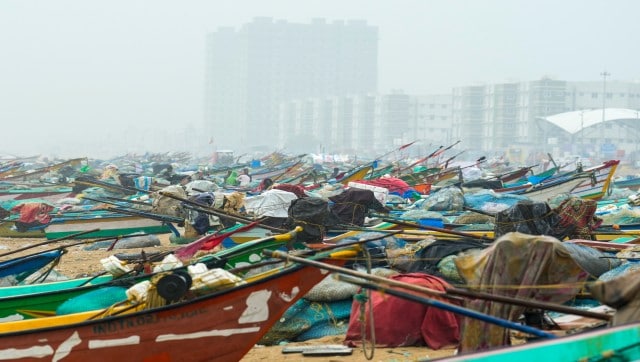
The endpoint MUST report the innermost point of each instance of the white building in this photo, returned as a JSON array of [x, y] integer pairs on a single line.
[[250, 71]]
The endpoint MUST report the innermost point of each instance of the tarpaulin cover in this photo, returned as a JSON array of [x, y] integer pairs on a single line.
[[519, 266], [400, 322]]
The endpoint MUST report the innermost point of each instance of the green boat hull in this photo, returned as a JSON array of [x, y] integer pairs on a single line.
[[621, 342], [42, 300]]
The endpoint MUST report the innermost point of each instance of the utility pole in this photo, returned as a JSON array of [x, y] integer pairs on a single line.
[[604, 75]]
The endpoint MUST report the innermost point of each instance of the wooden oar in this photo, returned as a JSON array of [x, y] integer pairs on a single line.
[[442, 230], [449, 307], [50, 241]]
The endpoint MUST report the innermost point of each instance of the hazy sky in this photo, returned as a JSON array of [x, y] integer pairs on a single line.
[[75, 72]]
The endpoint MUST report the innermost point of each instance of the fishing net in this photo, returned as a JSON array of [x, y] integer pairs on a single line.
[[306, 320], [623, 269], [312, 214], [331, 289], [621, 216], [473, 218], [591, 260], [96, 299], [447, 199], [418, 214], [491, 201]]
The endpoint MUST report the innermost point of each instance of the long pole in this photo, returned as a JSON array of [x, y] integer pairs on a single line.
[[504, 323], [434, 303], [604, 75]]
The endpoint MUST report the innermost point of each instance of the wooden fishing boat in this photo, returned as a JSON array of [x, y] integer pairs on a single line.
[[16, 270], [415, 231], [627, 182], [544, 191], [110, 225], [356, 174], [35, 173], [616, 342], [377, 173], [601, 185], [45, 193], [533, 179], [42, 300], [276, 172], [220, 326], [514, 174], [413, 178], [9, 230]]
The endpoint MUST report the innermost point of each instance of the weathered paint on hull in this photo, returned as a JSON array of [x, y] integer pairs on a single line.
[[219, 327], [109, 227], [580, 347]]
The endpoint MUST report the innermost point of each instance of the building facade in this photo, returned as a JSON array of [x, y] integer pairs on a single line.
[[502, 117], [366, 124], [251, 71]]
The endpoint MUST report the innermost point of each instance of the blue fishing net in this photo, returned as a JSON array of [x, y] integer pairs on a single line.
[[624, 268], [306, 320], [491, 201]]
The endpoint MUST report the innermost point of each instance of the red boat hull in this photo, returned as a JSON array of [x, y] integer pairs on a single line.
[[218, 327]]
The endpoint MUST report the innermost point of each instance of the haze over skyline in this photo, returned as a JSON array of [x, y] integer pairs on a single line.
[[76, 74]]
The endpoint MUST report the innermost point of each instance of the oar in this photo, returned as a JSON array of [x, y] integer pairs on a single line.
[[148, 215], [446, 162], [442, 230], [449, 307], [528, 303], [554, 163], [287, 170], [434, 303], [50, 241]]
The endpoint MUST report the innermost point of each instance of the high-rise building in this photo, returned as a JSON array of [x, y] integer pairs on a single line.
[[251, 71]]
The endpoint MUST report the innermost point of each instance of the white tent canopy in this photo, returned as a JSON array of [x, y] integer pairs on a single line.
[[575, 121]]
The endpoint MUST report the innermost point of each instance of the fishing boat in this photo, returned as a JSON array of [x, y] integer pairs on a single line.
[[631, 182], [220, 326], [546, 190], [16, 270], [355, 174], [42, 300], [23, 175], [601, 185], [614, 343], [46, 193], [111, 224]]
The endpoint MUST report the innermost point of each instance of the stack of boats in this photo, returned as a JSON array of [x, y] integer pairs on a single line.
[[530, 243]]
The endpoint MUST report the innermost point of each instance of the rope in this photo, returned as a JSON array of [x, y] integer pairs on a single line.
[[363, 298]]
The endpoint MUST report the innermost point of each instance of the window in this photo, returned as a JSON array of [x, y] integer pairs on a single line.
[[594, 95]]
